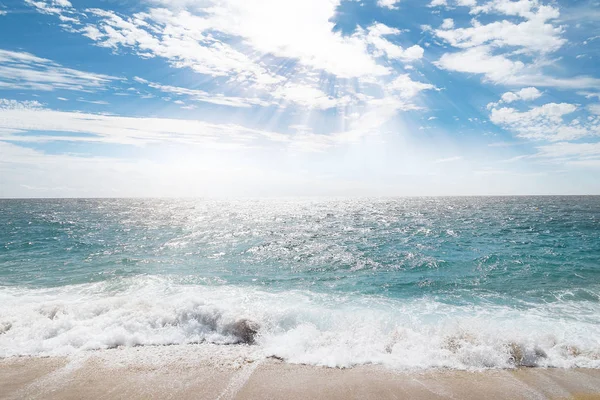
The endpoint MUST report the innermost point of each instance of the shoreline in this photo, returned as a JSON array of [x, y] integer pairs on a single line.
[[209, 372]]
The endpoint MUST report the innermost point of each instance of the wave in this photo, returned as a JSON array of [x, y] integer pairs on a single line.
[[335, 330]]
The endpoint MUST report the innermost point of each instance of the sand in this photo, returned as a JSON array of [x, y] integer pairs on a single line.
[[201, 372]]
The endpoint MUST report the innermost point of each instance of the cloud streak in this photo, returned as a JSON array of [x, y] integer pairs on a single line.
[[20, 70]]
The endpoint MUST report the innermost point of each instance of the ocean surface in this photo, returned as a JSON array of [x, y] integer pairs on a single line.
[[409, 283]]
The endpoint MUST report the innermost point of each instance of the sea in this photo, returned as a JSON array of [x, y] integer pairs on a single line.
[[407, 283]]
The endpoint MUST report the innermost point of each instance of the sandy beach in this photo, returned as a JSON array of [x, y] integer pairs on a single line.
[[199, 372]]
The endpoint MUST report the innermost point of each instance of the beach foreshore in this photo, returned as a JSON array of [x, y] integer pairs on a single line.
[[199, 372]]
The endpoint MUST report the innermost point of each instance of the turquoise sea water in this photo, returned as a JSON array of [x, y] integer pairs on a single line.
[[409, 282]]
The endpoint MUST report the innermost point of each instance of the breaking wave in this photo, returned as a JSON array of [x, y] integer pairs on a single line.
[[335, 330]]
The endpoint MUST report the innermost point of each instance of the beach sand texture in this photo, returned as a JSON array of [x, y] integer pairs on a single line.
[[192, 372]]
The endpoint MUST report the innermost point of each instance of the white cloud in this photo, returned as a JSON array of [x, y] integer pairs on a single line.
[[62, 8], [298, 30], [3, 13], [500, 69], [448, 23], [525, 94], [579, 155], [375, 37], [49, 7], [301, 31], [391, 4], [93, 33], [98, 102], [407, 88], [509, 51], [506, 7], [530, 9], [589, 95], [594, 108], [18, 117], [480, 60], [539, 79], [307, 96], [566, 149], [7, 104], [546, 122], [304, 32], [179, 38], [203, 96], [532, 35], [123, 130], [19, 70], [437, 3], [302, 94], [551, 111], [509, 97]]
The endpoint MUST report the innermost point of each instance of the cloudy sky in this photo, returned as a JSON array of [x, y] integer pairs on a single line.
[[299, 97]]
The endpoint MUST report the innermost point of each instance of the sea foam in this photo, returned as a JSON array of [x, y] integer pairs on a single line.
[[334, 330]]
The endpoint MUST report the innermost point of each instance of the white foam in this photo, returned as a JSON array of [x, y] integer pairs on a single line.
[[298, 326]]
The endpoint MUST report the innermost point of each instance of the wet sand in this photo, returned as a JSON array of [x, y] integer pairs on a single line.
[[192, 372]]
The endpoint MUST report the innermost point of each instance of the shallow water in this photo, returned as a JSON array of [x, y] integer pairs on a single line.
[[408, 283]]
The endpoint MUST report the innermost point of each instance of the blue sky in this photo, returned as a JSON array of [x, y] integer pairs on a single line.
[[299, 97]]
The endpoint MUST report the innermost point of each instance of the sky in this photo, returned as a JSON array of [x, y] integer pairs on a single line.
[[203, 98]]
